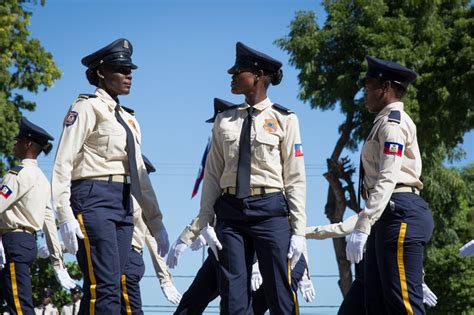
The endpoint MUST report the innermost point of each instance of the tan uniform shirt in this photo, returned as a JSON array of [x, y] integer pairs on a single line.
[[93, 143], [332, 230], [49, 310], [25, 203], [141, 235], [276, 159], [67, 309], [390, 156]]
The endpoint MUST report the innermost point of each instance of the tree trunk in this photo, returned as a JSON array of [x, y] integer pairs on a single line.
[[336, 200]]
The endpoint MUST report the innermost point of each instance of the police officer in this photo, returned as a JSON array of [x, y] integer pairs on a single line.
[[353, 303], [254, 180], [46, 307], [98, 167], [135, 266], [73, 307], [396, 222], [25, 196]]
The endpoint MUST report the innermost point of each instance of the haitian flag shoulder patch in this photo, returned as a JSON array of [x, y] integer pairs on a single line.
[[5, 191], [393, 148], [298, 149]]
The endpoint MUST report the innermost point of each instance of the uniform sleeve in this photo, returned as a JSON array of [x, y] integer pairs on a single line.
[[148, 202], [79, 124], [51, 237], [13, 187], [211, 188], [294, 177], [158, 262], [190, 232], [332, 230], [392, 145]]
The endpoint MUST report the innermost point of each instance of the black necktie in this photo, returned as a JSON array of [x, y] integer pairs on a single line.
[[132, 160], [73, 308], [243, 168], [44, 310], [362, 173]]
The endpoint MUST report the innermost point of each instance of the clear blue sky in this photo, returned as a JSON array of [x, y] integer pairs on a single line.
[[183, 49]]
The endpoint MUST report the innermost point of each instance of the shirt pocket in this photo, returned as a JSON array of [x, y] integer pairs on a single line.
[[371, 154], [231, 144], [266, 147], [111, 141]]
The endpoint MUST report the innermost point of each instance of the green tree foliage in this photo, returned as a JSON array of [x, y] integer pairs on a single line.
[[435, 38], [42, 275], [451, 195], [24, 66]]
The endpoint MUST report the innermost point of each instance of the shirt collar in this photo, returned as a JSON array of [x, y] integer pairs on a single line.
[[29, 161], [260, 106], [387, 109], [104, 96]]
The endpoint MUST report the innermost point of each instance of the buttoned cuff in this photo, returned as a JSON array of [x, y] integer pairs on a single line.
[[187, 236], [64, 214], [299, 229], [363, 223]]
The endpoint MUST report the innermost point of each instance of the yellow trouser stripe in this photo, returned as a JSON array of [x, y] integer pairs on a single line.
[[16, 298], [125, 295], [87, 245], [295, 300], [401, 269]]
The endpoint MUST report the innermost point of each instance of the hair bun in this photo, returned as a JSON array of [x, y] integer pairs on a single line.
[[47, 148], [277, 77]]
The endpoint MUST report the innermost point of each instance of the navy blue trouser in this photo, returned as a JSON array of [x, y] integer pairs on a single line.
[[245, 227], [354, 301], [394, 257], [203, 290], [259, 303], [104, 212], [15, 278], [133, 273]]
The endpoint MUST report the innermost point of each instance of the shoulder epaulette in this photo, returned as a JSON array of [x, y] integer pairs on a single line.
[[15, 169], [282, 109], [86, 96], [394, 116], [128, 110], [220, 106]]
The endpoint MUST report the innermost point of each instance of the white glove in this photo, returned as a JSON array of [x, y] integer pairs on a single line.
[[429, 298], [3, 258], [211, 238], [176, 250], [69, 230], [307, 289], [467, 250], [355, 246], [256, 280], [43, 251], [163, 242], [171, 294], [198, 243], [297, 247], [63, 278]]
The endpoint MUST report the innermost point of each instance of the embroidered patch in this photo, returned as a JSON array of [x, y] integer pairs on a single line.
[[298, 149], [5, 191], [393, 148], [270, 125], [70, 119]]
